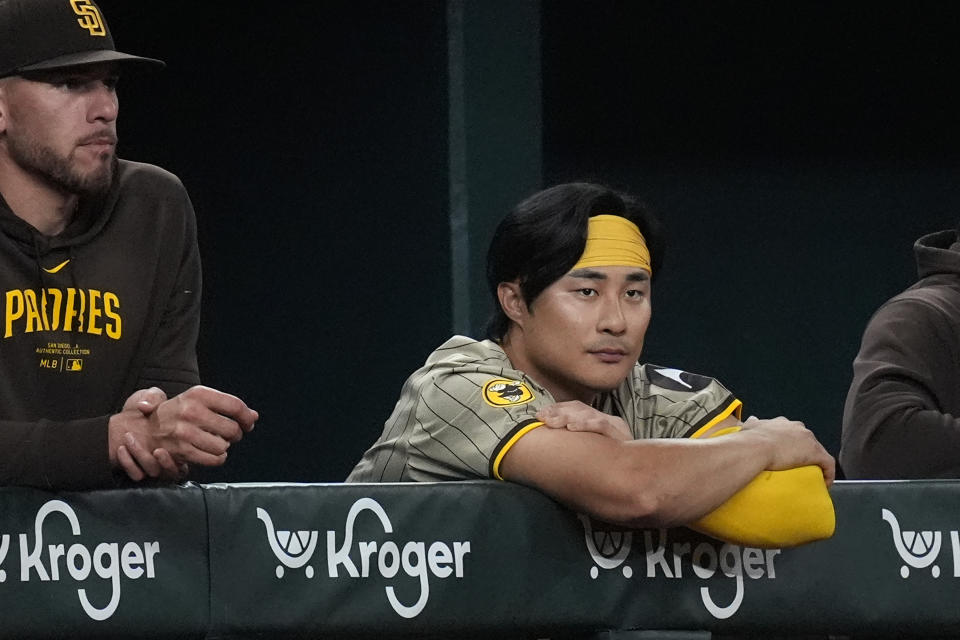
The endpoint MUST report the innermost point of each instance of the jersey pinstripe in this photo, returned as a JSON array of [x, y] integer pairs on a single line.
[[459, 413]]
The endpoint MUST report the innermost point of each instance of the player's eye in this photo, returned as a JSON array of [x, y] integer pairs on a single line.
[[587, 292], [84, 83], [71, 83]]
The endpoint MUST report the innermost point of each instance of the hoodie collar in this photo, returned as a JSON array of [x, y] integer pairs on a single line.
[[938, 252], [91, 215]]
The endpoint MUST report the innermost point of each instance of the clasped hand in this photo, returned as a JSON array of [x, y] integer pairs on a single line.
[[160, 437]]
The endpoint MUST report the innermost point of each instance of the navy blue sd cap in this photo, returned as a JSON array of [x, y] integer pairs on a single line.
[[50, 34]]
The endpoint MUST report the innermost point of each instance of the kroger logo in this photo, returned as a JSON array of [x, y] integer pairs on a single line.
[[610, 550], [60, 562], [920, 549], [359, 559]]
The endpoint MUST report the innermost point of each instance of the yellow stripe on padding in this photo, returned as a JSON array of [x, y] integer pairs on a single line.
[[506, 447]]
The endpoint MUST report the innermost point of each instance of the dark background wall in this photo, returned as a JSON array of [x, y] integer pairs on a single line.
[[795, 151], [311, 137]]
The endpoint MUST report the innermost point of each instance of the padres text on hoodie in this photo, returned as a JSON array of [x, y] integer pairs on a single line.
[[108, 306]]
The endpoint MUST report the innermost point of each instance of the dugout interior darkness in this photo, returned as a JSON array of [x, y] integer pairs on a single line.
[[794, 150]]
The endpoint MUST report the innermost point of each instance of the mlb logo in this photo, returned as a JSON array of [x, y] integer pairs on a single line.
[[74, 364]]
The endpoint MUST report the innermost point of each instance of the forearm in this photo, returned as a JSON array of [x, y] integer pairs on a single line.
[[905, 442], [55, 455], [894, 426], [686, 479], [171, 362], [650, 483]]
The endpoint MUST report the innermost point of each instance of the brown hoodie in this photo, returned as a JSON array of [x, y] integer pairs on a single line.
[[902, 414], [109, 306]]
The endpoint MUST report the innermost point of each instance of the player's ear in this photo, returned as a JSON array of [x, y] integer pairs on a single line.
[[511, 301], [3, 104], [6, 95]]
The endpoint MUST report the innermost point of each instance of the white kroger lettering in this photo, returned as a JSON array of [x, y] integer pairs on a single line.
[[733, 561], [107, 560], [704, 568], [367, 549], [416, 550], [4, 548], [460, 549], [440, 557], [679, 550], [668, 560], [656, 556], [390, 559], [731, 569], [414, 557], [81, 572], [57, 551], [751, 557], [341, 556], [955, 543]]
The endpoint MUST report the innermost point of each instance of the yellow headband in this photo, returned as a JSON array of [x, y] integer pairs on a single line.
[[614, 241]]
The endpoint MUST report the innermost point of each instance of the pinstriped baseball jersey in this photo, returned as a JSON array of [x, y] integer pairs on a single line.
[[461, 412]]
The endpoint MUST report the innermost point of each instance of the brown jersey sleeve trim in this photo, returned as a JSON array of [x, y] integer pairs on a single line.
[[730, 406], [508, 441]]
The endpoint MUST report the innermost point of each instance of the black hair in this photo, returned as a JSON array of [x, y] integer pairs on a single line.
[[544, 236]]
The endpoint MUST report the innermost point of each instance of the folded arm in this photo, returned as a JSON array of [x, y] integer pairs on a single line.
[[657, 482]]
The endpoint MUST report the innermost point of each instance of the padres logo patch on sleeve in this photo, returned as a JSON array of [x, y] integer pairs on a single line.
[[501, 392]]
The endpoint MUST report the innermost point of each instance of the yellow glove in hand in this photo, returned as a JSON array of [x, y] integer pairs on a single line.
[[776, 509]]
